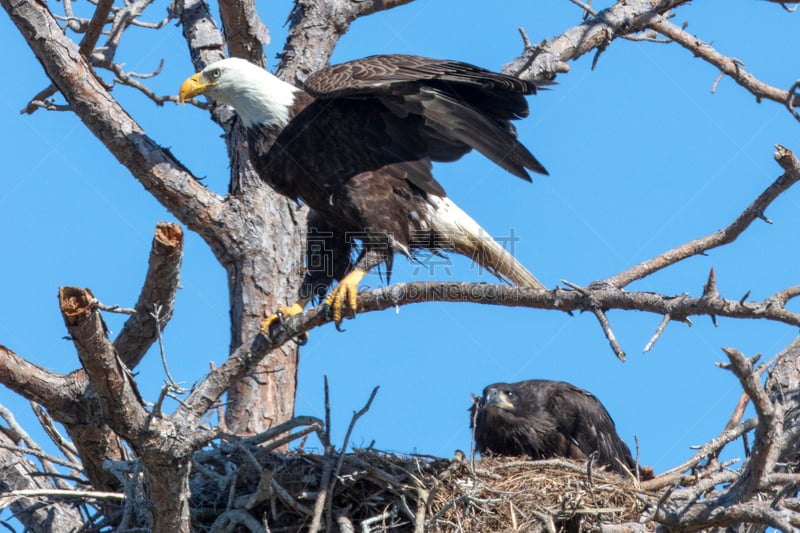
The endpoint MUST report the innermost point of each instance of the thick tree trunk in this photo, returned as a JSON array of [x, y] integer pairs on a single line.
[[264, 271], [265, 396]]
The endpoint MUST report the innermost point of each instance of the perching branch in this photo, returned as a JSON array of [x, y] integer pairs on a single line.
[[605, 295], [213, 386]]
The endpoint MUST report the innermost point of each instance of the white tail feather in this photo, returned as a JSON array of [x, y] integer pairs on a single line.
[[468, 238]]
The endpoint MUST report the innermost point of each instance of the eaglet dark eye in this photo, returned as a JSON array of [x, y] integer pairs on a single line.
[[509, 393]]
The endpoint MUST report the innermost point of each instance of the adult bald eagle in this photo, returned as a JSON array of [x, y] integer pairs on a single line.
[[356, 145], [544, 419]]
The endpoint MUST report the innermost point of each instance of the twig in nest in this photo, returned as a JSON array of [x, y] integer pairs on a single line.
[[350, 428], [475, 400], [285, 427], [589, 461], [422, 503], [287, 498], [317, 428], [547, 520], [344, 523], [228, 521], [513, 516], [365, 524], [322, 498], [337, 470], [321, 501], [327, 428]]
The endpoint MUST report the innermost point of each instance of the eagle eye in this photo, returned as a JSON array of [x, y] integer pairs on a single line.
[[216, 73], [509, 393]]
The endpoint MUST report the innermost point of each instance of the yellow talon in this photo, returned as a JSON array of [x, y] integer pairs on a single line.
[[283, 312], [346, 293]]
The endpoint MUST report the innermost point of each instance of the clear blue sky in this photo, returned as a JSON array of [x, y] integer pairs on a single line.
[[642, 158]]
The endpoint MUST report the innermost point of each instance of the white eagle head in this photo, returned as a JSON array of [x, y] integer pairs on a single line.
[[257, 96]]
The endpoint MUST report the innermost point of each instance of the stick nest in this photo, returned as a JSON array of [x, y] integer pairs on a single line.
[[377, 491]]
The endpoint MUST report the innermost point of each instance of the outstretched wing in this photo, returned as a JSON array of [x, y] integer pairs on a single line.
[[463, 106]]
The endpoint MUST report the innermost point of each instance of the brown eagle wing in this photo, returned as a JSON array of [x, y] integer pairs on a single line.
[[310, 149], [464, 106], [392, 73], [581, 416]]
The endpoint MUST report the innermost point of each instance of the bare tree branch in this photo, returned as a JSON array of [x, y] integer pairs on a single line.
[[122, 405], [27, 379], [160, 286], [210, 389], [88, 42], [728, 65], [315, 29], [769, 431], [165, 458], [19, 474], [155, 167], [549, 58], [791, 166], [13, 496]]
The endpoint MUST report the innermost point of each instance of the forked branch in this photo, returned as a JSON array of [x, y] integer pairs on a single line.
[[755, 211], [729, 66]]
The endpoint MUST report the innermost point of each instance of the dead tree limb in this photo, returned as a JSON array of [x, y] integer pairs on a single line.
[[160, 286], [729, 66], [755, 211]]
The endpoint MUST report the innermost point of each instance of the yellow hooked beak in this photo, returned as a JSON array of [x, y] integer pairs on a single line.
[[192, 87]]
